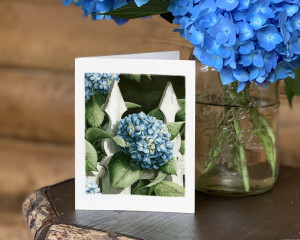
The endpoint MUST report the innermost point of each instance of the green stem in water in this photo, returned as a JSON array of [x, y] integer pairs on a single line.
[[242, 155], [265, 132], [214, 152]]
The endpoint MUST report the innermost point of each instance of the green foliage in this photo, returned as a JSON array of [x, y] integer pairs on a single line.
[[160, 177], [292, 86], [144, 188], [105, 126], [169, 189], [123, 173], [182, 147], [100, 99], [120, 141], [94, 114], [139, 187], [94, 135], [180, 116], [151, 190], [141, 191], [131, 10], [147, 93], [91, 157], [174, 128], [132, 77], [265, 132], [170, 167], [157, 114], [130, 105]]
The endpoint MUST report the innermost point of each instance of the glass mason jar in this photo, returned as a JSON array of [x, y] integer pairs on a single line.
[[236, 136]]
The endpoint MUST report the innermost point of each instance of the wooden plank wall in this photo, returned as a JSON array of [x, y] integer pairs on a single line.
[[39, 41]]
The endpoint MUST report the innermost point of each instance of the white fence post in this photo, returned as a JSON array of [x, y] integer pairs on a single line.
[[169, 107], [115, 108]]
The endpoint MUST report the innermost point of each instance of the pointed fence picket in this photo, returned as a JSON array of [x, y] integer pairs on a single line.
[[115, 107], [169, 107]]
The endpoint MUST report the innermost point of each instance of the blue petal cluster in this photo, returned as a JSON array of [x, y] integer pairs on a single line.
[[245, 40], [91, 187], [90, 7], [147, 140], [99, 83]]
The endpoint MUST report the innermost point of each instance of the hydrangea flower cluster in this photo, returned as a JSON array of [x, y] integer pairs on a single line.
[[99, 83], [245, 40], [91, 187], [90, 7], [147, 140]]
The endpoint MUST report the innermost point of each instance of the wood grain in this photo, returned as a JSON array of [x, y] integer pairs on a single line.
[[44, 34], [26, 166], [67, 232], [257, 217], [13, 227], [37, 105], [289, 132]]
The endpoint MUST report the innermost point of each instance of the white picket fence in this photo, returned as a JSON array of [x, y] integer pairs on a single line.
[[115, 107]]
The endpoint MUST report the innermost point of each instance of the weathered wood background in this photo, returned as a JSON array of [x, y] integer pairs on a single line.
[[38, 44]]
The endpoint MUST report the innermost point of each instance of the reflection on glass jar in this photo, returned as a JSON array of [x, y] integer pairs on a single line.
[[236, 136]]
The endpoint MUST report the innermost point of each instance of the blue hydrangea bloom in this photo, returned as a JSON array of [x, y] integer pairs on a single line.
[[147, 140], [99, 83], [91, 187], [247, 41], [90, 7]]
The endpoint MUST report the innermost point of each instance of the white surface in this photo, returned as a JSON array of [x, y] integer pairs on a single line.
[[132, 202]]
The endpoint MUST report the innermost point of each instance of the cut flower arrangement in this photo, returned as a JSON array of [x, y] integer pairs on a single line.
[[249, 42]]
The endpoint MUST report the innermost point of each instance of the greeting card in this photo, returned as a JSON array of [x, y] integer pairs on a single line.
[[135, 120]]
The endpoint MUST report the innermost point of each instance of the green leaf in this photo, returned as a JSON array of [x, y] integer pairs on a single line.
[[292, 86], [120, 141], [130, 105], [131, 10], [94, 114], [94, 135], [105, 126], [174, 128], [139, 184], [160, 177], [140, 188], [151, 190], [100, 99], [169, 189], [157, 114], [142, 191], [148, 76], [132, 77], [91, 157], [123, 173], [180, 116], [170, 167], [182, 147]]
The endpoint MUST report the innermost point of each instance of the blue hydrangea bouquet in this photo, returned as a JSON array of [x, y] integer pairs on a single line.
[[247, 41]]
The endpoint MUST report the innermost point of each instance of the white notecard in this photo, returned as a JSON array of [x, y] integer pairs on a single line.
[[135, 133]]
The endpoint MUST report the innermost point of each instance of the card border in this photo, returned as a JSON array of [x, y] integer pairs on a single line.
[[128, 202]]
